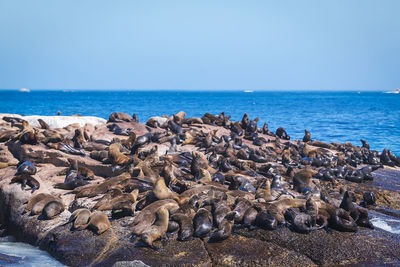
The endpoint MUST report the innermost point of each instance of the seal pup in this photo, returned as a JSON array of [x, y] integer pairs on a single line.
[[38, 207], [52, 209], [80, 218], [158, 229], [98, 222], [26, 179]]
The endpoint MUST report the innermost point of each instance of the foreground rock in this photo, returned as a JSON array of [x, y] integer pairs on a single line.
[[236, 168]]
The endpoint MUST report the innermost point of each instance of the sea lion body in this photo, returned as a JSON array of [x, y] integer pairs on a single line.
[[80, 218], [158, 229], [98, 222], [52, 209]]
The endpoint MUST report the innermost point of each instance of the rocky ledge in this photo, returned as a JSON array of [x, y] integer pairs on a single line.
[[198, 191]]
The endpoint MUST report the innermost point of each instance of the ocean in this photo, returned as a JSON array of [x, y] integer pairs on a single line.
[[329, 116]]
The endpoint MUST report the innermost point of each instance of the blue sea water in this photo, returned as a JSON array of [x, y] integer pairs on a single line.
[[329, 116]]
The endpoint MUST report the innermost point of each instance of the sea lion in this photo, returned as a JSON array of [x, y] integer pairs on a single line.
[[103, 187], [224, 229], [185, 226], [116, 157], [146, 217], [266, 221], [158, 229], [98, 222], [39, 205], [161, 191], [302, 179], [26, 179], [119, 117], [52, 209], [128, 198], [26, 167], [43, 124], [33, 200], [80, 218], [241, 206], [307, 136], [202, 222], [278, 208], [281, 133], [299, 221]]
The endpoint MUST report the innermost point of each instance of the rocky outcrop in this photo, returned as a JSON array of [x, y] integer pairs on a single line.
[[118, 247]]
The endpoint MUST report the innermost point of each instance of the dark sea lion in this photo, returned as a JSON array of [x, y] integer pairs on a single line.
[[281, 133], [158, 229], [185, 226], [202, 222], [80, 218], [26, 179], [224, 229], [307, 136], [299, 221], [364, 144], [99, 155], [26, 167], [98, 222], [266, 221], [52, 209], [79, 138]]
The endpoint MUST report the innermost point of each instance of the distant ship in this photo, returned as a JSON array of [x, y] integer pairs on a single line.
[[397, 91], [248, 91], [26, 90]]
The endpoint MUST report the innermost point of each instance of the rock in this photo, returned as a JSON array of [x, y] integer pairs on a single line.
[[130, 264], [58, 121]]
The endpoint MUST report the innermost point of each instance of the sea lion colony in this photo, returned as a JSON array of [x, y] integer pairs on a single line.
[[198, 177]]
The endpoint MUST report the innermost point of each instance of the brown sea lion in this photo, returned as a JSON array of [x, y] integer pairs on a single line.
[[116, 157], [158, 229], [52, 209], [39, 206], [114, 203], [103, 187], [161, 191], [302, 179], [119, 117], [146, 217], [80, 218], [98, 222], [35, 199]]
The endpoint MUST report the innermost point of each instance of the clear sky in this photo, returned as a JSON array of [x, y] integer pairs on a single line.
[[259, 45]]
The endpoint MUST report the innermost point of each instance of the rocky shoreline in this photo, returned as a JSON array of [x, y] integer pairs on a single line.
[[187, 166]]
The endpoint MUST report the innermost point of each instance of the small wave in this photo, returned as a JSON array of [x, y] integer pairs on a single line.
[[389, 225]]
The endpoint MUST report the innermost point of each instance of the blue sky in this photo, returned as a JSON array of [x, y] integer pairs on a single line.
[[258, 45]]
